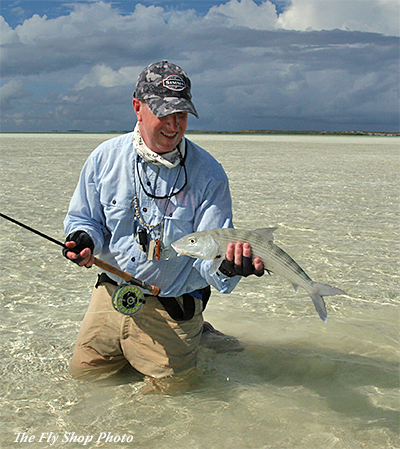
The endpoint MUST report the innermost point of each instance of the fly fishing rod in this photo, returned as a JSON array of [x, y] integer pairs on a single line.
[[126, 299]]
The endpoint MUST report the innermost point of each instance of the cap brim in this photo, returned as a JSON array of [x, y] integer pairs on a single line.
[[161, 107]]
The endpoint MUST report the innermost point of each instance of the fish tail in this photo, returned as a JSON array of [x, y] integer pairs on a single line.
[[319, 291]]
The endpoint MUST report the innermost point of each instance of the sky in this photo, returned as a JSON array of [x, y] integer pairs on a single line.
[[324, 65]]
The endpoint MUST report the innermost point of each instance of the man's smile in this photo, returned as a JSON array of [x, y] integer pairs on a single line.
[[169, 135]]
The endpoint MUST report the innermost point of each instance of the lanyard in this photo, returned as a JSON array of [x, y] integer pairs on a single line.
[[155, 245]]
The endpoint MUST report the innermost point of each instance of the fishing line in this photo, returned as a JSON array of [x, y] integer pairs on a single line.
[[127, 299]]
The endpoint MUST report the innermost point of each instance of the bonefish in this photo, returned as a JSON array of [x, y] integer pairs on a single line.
[[212, 244]]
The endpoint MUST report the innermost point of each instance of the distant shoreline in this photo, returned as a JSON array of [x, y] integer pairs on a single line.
[[241, 132], [308, 133]]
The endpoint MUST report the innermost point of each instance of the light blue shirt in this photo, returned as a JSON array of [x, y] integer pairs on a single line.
[[103, 205]]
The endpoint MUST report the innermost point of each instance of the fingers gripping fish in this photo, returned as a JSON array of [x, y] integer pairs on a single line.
[[211, 245]]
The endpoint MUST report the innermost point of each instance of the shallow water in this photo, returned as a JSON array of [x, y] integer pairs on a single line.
[[296, 383]]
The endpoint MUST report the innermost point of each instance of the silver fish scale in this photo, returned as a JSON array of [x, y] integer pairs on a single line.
[[271, 255], [198, 245]]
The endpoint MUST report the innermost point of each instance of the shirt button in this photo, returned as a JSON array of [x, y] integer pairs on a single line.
[[114, 201], [133, 259], [145, 209], [149, 183]]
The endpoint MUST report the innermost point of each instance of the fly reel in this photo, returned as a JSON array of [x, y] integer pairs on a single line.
[[128, 299]]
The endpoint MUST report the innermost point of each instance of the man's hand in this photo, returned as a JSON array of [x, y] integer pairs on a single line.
[[81, 248], [238, 261], [84, 258]]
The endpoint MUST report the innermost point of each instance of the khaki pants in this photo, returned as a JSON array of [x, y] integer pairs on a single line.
[[151, 341]]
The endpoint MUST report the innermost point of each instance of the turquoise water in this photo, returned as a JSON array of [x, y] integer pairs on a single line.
[[296, 383]]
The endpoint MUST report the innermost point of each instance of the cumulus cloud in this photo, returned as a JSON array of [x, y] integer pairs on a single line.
[[250, 67], [11, 91], [377, 16], [244, 13], [103, 76]]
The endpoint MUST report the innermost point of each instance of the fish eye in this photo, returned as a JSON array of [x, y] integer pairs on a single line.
[[192, 240]]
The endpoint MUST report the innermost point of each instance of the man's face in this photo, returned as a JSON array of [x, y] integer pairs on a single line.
[[161, 134]]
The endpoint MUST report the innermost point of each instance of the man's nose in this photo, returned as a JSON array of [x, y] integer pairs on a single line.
[[173, 121]]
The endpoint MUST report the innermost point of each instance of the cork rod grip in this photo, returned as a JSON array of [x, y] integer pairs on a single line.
[[127, 277]]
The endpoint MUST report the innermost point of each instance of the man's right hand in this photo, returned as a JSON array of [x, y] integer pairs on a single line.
[[81, 248]]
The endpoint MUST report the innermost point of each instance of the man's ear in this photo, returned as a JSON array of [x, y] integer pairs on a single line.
[[137, 106]]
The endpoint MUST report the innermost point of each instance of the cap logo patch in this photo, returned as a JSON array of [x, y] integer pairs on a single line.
[[174, 82]]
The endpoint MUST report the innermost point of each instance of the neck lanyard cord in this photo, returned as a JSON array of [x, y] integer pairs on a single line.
[[168, 196]]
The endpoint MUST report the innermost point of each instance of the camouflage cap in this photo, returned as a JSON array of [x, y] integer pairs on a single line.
[[165, 88]]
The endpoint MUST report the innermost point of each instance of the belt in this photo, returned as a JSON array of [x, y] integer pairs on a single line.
[[171, 304]]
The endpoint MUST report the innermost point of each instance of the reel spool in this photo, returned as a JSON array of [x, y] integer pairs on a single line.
[[128, 299]]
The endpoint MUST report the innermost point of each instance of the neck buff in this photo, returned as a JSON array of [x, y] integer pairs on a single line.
[[169, 160]]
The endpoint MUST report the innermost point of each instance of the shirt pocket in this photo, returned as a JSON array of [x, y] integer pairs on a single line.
[[119, 214]]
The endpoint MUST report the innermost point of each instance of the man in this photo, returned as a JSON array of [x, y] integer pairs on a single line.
[[137, 194]]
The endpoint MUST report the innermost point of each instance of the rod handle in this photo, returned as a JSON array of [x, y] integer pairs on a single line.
[[127, 277], [153, 289], [111, 269]]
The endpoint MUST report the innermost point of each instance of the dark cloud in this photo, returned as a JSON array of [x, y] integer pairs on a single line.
[[78, 71]]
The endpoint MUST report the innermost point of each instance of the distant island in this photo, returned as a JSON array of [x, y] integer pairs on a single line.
[[243, 131], [309, 132]]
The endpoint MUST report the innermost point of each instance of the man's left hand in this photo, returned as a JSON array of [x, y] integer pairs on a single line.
[[238, 261]]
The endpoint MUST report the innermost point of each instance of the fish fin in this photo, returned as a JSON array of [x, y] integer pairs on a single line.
[[215, 265], [296, 288], [321, 290], [327, 290], [266, 233], [319, 304]]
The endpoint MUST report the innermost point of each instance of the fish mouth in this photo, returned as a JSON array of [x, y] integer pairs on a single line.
[[178, 251], [181, 251]]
